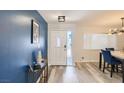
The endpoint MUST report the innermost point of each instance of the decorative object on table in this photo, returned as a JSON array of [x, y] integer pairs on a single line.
[[39, 57], [35, 32]]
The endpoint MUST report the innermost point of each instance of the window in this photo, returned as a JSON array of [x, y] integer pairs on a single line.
[[58, 41], [98, 41]]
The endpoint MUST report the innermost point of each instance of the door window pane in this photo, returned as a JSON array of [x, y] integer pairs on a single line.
[[58, 42]]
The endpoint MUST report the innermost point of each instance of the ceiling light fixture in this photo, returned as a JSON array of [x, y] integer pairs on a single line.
[[117, 31], [61, 18]]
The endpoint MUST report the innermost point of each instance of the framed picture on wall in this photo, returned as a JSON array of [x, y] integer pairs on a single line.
[[35, 32]]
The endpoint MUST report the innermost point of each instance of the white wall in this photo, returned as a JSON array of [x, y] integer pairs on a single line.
[[90, 55], [79, 52], [120, 42]]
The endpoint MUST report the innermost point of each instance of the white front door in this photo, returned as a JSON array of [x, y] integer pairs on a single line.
[[58, 53]]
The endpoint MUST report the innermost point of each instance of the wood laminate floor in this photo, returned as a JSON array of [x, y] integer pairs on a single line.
[[81, 73]]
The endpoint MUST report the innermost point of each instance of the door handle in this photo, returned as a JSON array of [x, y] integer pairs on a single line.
[[64, 46]]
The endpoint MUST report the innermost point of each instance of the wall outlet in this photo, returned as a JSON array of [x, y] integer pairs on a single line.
[[82, 58]]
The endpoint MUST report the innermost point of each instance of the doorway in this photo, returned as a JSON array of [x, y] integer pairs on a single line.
[[58, 48], [60, 52], [69, 48]]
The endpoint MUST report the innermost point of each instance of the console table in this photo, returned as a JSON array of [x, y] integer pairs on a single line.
[[38, 73]]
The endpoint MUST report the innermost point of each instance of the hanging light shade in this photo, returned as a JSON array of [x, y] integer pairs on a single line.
[[112, 31]]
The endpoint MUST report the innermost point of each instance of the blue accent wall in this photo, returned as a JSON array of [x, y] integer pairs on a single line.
[[15, 43]]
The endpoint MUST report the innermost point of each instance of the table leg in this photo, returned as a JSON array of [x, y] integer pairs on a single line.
[[123, 71], [100, 60], [43, 76], [47, 73]]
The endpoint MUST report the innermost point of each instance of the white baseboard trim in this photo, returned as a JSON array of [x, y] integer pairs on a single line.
[[78, 61], [88, 61]]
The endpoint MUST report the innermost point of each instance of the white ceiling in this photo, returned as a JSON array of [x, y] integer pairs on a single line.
[[71, 16], [89, 17]]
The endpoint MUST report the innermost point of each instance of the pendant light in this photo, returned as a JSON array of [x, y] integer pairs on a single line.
[[116, 30]]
